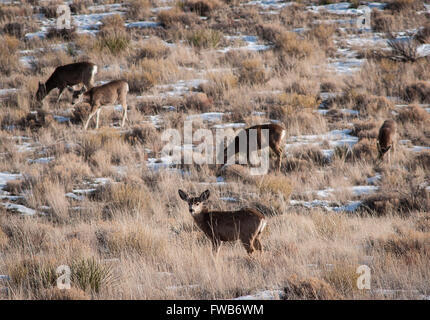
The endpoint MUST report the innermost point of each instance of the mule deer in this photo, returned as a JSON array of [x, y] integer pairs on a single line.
[[100, 96], [276, 135], [245, 225], [386, 138], [68, 75]]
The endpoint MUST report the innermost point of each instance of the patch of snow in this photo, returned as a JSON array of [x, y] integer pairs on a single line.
[[269, 4], [208, 116], [418, 148], [143, 24], [351, 207], [344, 8], [335, 138], [41, 160], [6, 176], [84, 191], [20, 208], [61, 119], [263, 295], [229, 125], [4, 92], [74, 196], [228, 199], [251, 44], [373, 180]]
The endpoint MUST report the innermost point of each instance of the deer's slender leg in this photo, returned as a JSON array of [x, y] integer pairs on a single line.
[[97, 118], [257, 244], [247, 243], [279, 152], [89, 118], [61, 90], [124, 116]]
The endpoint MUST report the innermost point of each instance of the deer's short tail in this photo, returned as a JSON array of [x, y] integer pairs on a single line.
[[262, 225]]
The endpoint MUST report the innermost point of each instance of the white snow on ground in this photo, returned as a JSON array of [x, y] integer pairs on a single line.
[[423, 50], [6, 176], [208, 116], [345, 66], [4, 92], [355, 190], [176, 89], [84, 191], [229, 125], [352, 206], [27, 61], [418, 148], [41, 160], [251, 44], [105, 7], [263, 295], [343, 8], [20, 208], [61, 119], [90, 23], [373, 180], [156, 10], [269, 4], [74, 196], [143, 24], [156, 120], [348, 112], [335, 138]]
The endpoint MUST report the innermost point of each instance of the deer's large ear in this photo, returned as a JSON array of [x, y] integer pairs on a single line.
[[183, 195], [204, 196]]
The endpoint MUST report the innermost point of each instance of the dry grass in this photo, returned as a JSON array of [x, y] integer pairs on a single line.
[[106, 204], [176, 17], [309, 289]]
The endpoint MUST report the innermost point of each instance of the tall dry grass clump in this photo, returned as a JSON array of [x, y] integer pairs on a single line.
[[417, 92], [252, 71], [8, 54], [139, 9], [91, 275], [413, 114], [219, 83], [309, 289], [204, 38], [175, 17], [276, 185], [113, 36], [202, 7]]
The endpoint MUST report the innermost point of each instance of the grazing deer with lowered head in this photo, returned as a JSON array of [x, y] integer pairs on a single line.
[[276, 135], [386, 138], [107, 94], [68, 75], [245, 225]]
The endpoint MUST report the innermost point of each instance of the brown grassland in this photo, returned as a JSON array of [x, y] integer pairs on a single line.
[[102, 201]]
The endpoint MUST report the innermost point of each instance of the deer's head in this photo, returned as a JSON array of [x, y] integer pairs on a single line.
[[78, 95], [41, 92], [195, 205]]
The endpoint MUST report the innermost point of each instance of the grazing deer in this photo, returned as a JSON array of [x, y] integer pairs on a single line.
[[68, 75], [386, 138], [107, 94], [276, 136], [245, 225]]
